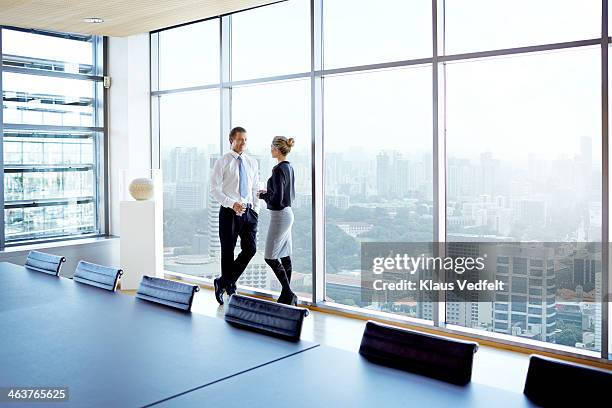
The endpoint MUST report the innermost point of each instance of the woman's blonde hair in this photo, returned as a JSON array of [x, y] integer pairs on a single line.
[[283, 144]]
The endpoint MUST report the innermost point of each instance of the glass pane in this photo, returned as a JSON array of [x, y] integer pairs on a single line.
[[71, 218], [189, 144], [189, 55], [272, 40], [266, 111], [360, 32], [52, 169], [42, 185], [524, 165], [479, 25], [39, 100], [378, 174], [54, 53]]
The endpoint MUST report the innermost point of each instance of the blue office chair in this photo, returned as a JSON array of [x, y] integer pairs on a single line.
[[266, 317], [43, 262], [167, 292], [556, 383], [426, 354], [100, 276]]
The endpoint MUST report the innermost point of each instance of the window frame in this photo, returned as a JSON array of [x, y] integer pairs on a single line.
[[438, 61], [98, 132]]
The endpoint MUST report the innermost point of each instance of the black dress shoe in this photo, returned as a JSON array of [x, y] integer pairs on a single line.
[[218, 291], [231, 289]]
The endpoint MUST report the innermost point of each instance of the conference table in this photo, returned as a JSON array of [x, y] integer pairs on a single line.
[[113, 350]]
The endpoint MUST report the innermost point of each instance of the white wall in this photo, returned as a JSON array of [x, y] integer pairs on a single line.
[[129, 114]]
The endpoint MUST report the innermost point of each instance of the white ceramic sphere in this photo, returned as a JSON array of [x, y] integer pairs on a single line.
[[141, 189]]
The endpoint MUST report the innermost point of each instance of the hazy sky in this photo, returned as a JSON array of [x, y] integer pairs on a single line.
[[541, 103]]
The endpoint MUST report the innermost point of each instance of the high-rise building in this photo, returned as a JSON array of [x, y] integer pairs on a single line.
[[384, 174], [190, 195], [213, 220], [527, 305], [186, 164]]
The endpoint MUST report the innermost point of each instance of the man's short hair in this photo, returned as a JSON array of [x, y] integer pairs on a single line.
[[235, 131]]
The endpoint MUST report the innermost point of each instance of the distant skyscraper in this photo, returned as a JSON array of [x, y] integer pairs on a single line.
[[384, 174], [190, 195], [531, 212], [489, 168], [186, 164], [213, 221], [598, 310], [527, 305]]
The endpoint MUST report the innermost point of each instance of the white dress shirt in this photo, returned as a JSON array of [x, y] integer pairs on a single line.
[[225, 180]]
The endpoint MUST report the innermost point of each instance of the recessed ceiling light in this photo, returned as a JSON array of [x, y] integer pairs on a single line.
[[94, 20]]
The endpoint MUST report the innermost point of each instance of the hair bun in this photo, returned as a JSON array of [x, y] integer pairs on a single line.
[[290, 142]]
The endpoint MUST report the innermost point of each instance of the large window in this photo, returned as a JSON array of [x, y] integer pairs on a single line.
[[524, 165], [268, 110], [195, 62], [52, 123], [490, 138], [483, 25], [270, 41], [378, 181], [359, 32], [189, 144]]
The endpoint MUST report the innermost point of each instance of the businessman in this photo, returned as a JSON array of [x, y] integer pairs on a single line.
[[234, 184]]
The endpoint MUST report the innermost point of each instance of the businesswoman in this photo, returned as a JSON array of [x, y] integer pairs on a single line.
[[279, 195]]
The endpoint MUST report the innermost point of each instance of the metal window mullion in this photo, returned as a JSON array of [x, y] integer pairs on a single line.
[[155, 102], [187, 89], [2, 225], [53, 202], [47, 169], [225, 76], [52, 74], [520, 50], [56, 34], [101, 168], [155, 132], [154, 61], [605, 180], [52, 128], [98, 117], [439, 169], [317, 152]]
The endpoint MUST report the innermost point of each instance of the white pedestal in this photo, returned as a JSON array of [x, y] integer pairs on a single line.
[[141, 246]]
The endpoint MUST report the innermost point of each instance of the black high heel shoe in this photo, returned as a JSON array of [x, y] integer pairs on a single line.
[[288, 299]]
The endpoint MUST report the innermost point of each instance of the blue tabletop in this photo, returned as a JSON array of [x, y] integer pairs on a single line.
[[113, 350], [328, 377]]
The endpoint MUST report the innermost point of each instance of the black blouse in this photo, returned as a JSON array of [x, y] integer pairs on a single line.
[[280, 191]]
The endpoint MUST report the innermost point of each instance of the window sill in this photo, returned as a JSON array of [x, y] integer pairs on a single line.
[[490, 339], [56, 243]]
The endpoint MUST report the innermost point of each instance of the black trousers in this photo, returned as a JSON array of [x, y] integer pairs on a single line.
[[232, 226]]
